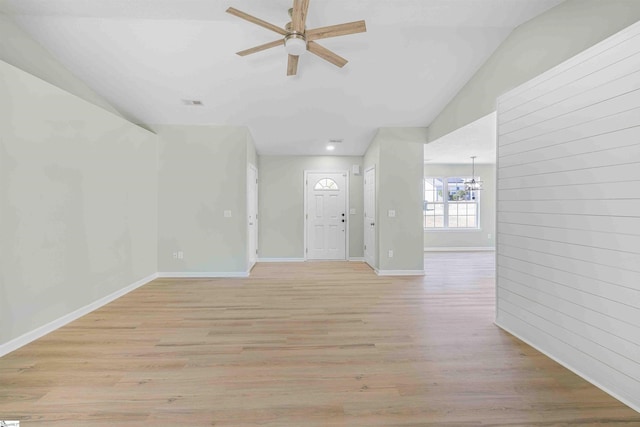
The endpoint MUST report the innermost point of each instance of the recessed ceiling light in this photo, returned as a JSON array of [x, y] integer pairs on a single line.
[[195, 102], [331, 147]]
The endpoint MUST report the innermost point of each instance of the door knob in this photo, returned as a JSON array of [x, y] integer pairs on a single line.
[[343, 220], [373, 223]]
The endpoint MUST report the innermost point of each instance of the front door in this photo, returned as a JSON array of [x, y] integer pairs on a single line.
[[326, 216]]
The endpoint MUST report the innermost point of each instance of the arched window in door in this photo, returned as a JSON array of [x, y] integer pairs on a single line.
[[326, 184]]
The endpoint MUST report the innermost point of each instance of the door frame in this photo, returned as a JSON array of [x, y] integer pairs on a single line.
[[250, 265], [375, 217], [346, 207]]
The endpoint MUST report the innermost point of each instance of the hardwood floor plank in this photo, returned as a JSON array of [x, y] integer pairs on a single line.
[[301, 344]]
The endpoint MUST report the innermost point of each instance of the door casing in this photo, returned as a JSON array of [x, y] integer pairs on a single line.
[[346, 202]]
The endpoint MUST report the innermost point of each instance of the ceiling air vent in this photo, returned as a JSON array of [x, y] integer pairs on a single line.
[[195, 102]]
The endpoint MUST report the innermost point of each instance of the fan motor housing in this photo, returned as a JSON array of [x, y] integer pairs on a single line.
[[295, 43]]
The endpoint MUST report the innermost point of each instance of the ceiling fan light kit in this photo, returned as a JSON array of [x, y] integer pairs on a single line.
[[295, 44], [297, 39]]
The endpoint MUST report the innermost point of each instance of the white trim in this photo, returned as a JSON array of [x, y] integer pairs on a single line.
[[356, 258], [43, 330], [399, 272], [250, 265], [375, 214], [459, 248], [581, 374], [280, 259], [202, 274]]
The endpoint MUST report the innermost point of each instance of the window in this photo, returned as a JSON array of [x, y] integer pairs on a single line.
[[448, 205], [326, 184]]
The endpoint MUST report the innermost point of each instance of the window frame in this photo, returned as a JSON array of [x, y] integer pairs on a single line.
[[445, 203]]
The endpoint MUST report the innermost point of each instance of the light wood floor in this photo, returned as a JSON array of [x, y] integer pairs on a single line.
[[301, 344]]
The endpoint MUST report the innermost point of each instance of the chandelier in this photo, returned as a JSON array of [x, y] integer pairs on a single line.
[[472, 184]]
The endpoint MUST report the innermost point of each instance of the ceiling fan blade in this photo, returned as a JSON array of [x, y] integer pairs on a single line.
[[326, 54], [336, 30], [261, 47], [299, 15], [256, 21], [292, 65]]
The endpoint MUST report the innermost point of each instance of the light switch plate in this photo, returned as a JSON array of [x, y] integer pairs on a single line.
[[227, 214], [352, 211], [392, 213]]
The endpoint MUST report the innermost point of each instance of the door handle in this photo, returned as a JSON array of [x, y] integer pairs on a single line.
[[343, 220]]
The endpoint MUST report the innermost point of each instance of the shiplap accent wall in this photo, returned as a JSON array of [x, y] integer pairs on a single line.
[[568, 214]]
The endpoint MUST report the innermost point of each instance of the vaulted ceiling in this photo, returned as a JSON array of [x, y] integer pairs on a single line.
[[147, 56]]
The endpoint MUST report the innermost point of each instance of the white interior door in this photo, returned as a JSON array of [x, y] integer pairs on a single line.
[[326, 216], [370, 216], [252, 216]]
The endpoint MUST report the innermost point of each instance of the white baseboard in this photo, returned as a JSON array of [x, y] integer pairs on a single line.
[[202, 274], [280, 259], [41, 331], [613, 394], [357, 259], [399, 272], [459, 248]]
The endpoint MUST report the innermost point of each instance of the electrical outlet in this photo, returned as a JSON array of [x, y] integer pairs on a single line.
[[390, 253], [180, 255], [392, 213], [175, 255], [227, 214]]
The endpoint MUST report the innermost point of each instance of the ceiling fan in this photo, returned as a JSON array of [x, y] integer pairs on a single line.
[[297, 39]]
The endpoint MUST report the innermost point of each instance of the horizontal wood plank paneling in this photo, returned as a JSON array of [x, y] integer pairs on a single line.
[[624, 67], [600, 126], [597, 57], [619, 354], [574, 115], [590, 309], [568, 213], [611, 258], [593, 239], [621, 226], [585, 176], [621, 138], [624, 283], [604, 93], [543, 335], [601, 191]]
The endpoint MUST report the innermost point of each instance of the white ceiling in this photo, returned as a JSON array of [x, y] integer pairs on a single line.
[[146, 56], [475, 139]]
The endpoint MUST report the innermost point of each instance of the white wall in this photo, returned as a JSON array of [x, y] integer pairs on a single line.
[[569, 214], [281, 203], [484, 237], [21, 51], [532, 48], [78, 203], [202, 173]]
